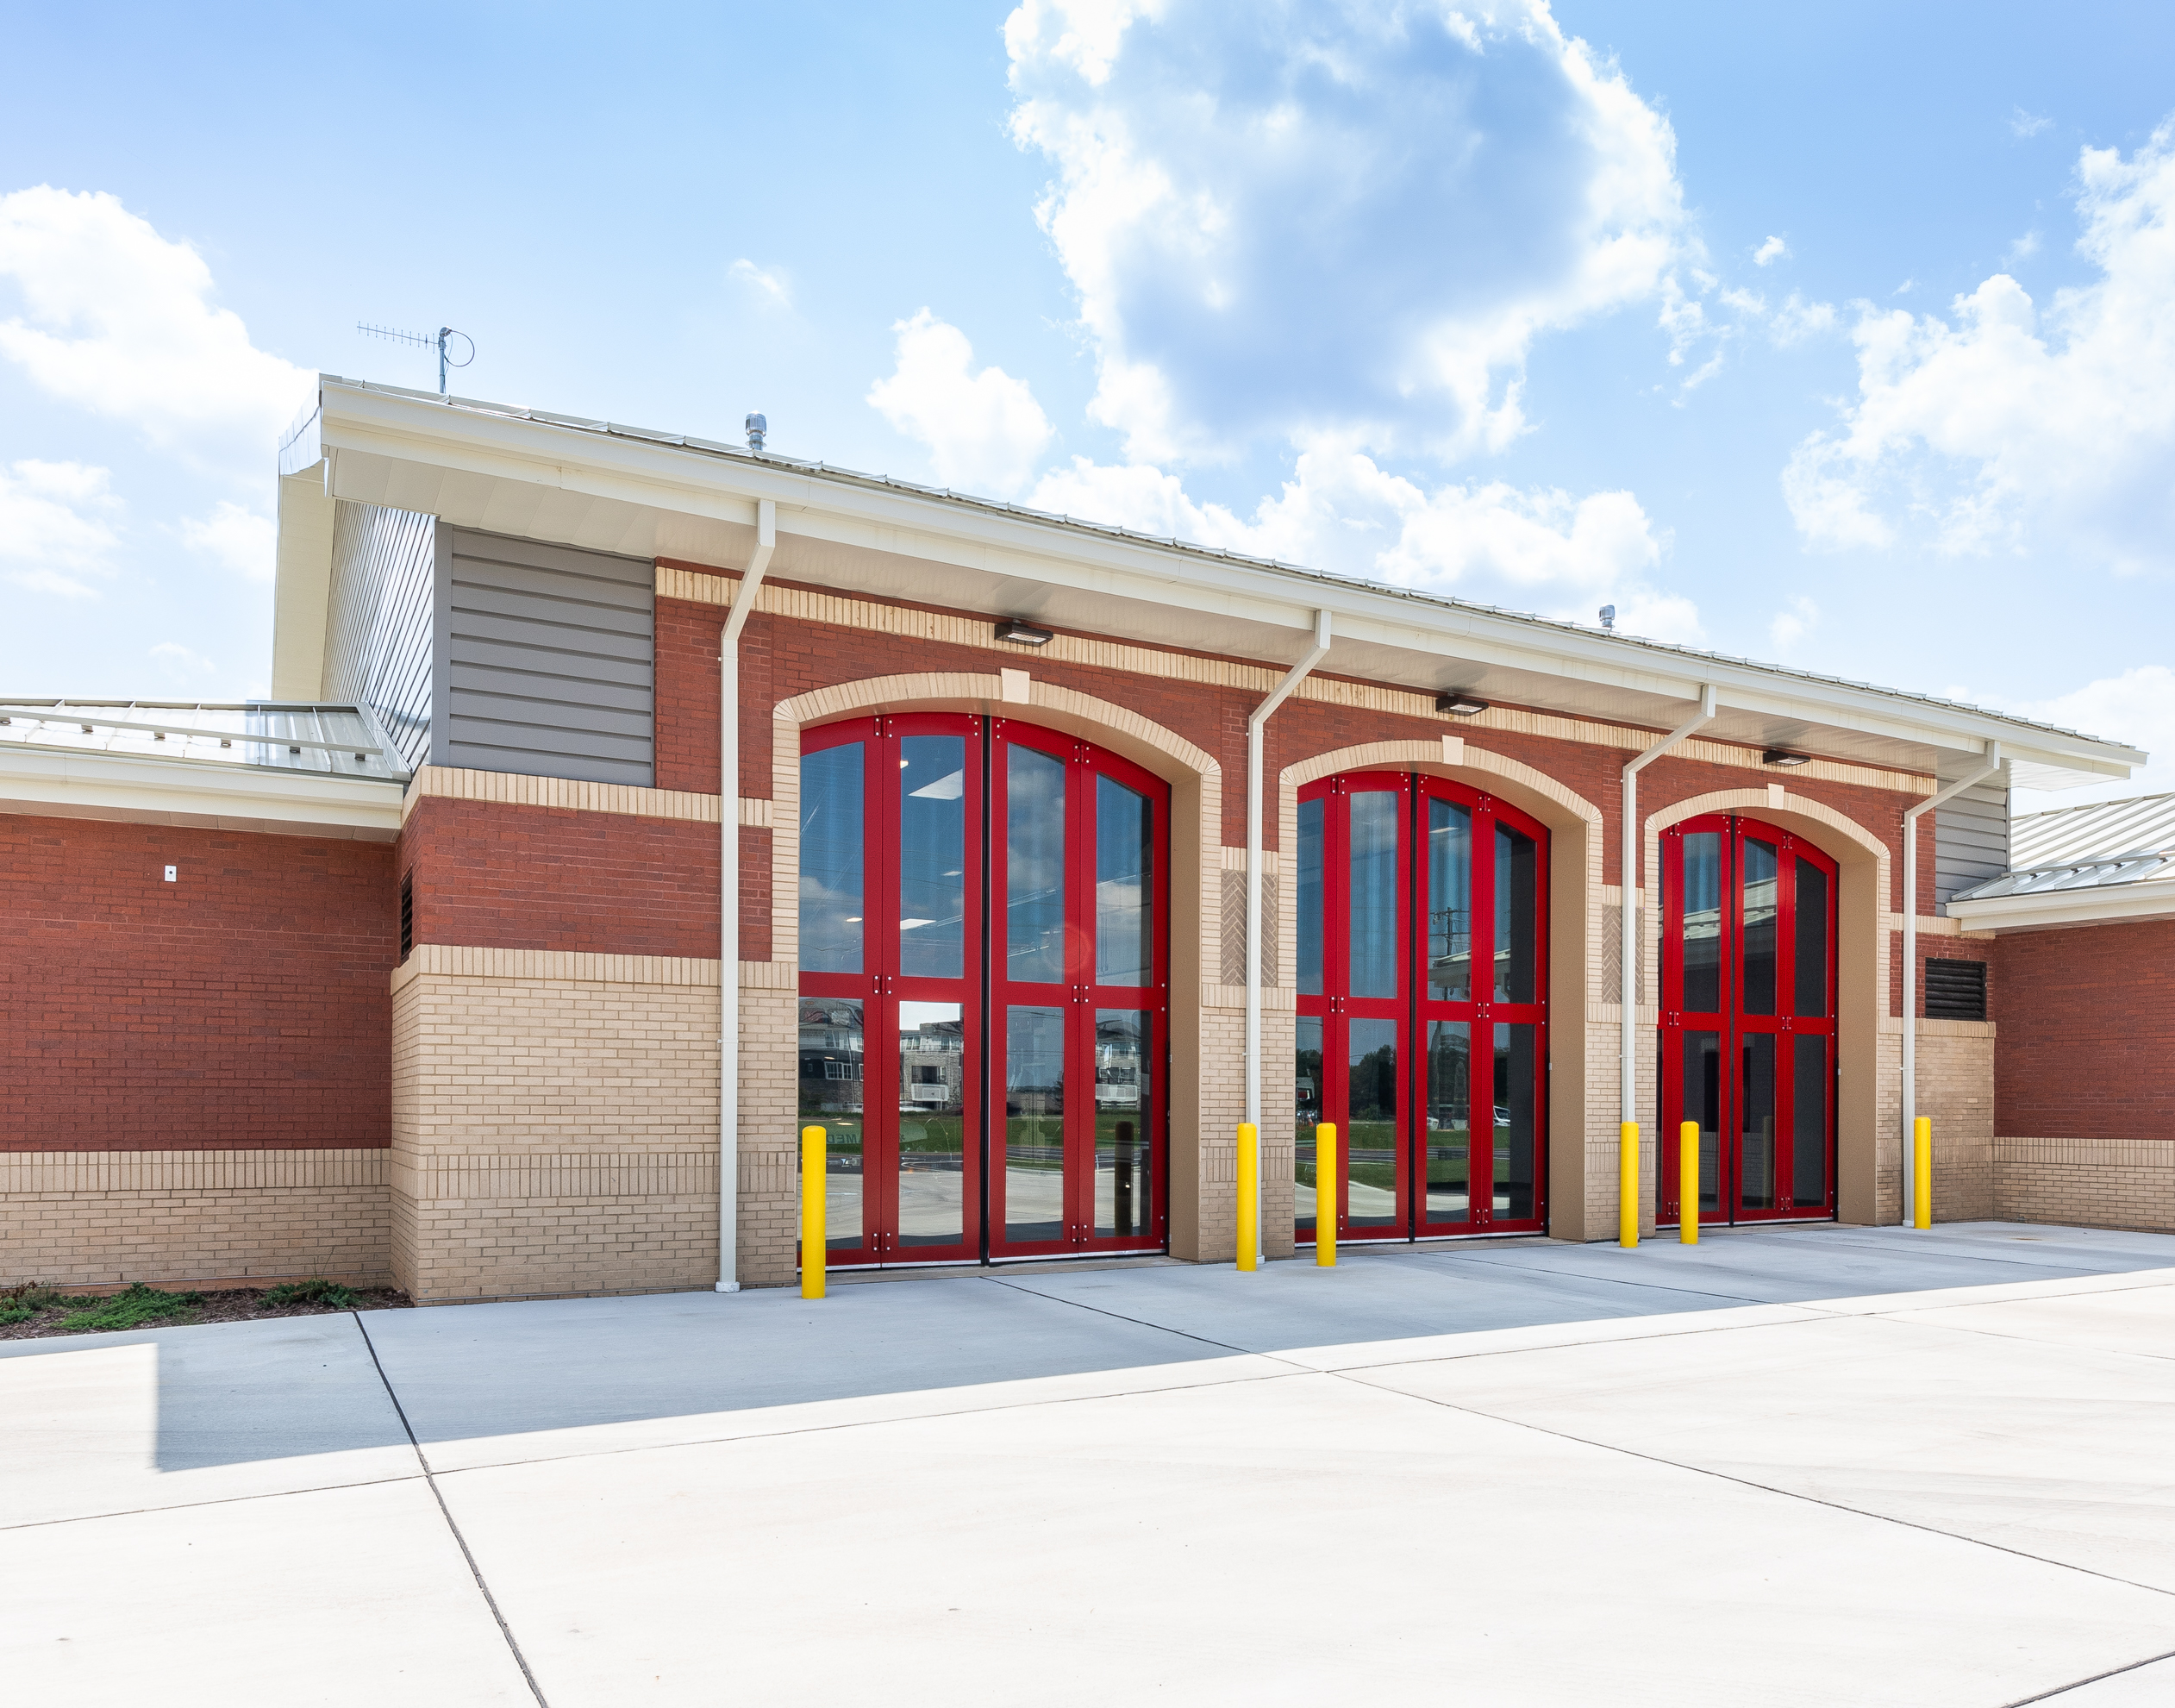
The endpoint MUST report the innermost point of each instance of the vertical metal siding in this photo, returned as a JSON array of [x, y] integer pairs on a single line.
[[549, 659], [378, 639], [1970, 841]]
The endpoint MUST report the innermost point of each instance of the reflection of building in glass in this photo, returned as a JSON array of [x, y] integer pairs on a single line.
[[932, 1066], [832, 1056], [1117, 1064]]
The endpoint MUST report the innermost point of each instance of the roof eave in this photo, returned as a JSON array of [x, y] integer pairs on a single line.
[[2048, 910], [64, 783], [662, 496]]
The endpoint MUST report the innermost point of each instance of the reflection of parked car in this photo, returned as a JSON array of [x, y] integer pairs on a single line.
[[1502, 1115]]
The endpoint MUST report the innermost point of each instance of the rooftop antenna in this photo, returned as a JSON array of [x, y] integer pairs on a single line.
[[423, 340]]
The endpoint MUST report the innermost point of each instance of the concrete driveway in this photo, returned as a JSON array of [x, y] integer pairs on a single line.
[[1817, 1465]]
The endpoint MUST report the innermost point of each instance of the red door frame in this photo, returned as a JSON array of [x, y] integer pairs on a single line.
[[1078, 994], [1732, 1025], [880, 986], [1412, 1007]]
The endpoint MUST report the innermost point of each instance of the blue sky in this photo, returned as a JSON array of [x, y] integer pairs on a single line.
[[1842, 336]]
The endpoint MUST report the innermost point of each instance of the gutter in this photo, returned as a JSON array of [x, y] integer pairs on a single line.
[[1255, 723], [1910, 961], [728, 897], [1631, 937]]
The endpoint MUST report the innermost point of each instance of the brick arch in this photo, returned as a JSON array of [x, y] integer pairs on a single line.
[[1120, 728], [1204, 1061], [1867, 1156], [1581, 1133], [1534, 791]]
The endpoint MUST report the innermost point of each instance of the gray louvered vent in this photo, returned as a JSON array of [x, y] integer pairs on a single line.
[[1955, 989], [550, 660]]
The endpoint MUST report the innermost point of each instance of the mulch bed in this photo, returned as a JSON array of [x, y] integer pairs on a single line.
[[50, 1313]]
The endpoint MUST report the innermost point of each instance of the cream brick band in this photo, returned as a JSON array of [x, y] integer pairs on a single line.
[[448, 783], [174, 1170], [194, 1217], [2093, 1183]]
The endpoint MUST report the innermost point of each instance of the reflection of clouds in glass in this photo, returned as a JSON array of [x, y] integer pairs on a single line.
[[950, 788], [1035, 866]]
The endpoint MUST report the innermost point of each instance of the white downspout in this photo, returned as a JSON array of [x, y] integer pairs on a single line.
[[1910, 959], [1628, 876], [1254, 724], [728, 897]]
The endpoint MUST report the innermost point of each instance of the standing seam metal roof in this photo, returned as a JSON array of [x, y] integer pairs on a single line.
[[1171, 542], [2087, 847]]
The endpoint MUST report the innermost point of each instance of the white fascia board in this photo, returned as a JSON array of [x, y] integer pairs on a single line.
[[649, 475], [72, 785], [2107, 904], [303, 588]]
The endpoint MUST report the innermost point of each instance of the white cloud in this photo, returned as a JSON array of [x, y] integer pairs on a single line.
[[1798, 320], [2022, 249], [1287, 221], [180, 666], [1791, 624], [768, 285], [2137, 707], [1774, 249], [2021, 123], [984, 431], [119, 320], [2003, 420], [1341, 511], [55, 531], [235, 537]]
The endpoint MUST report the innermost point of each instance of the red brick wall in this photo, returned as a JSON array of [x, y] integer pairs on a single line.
[[243, 1006], [780, 660], [1938, 948], [2085, 1041], [489, 875]]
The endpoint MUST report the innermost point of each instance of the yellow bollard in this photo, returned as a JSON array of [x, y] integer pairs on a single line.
[[1249, 1167], [815, 1186], [1688, 1183], [1627, 1183], [1325, 1195], [1921, 1172]]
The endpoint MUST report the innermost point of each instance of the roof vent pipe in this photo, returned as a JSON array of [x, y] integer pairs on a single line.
[[757, 429], [1608, 618]]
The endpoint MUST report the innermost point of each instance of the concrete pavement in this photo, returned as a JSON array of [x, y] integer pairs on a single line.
[[1808, 1465]]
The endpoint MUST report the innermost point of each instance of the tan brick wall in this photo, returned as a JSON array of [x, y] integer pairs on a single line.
[[555, 1122], [1956, 1091], [2092, 1183], [194, 1217]]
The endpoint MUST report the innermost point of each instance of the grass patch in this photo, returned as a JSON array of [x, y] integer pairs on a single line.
[[314, 1290], [20, 1304], [137, 1307]]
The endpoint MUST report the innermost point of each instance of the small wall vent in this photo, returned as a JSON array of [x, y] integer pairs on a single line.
[[1955, 989], [407, 914]]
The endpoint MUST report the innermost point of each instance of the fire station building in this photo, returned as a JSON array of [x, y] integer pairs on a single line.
[[628, 801]]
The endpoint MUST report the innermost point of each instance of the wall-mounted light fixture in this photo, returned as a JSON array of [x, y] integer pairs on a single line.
[[1460, 704], [1023, 633], [1783, 756]]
